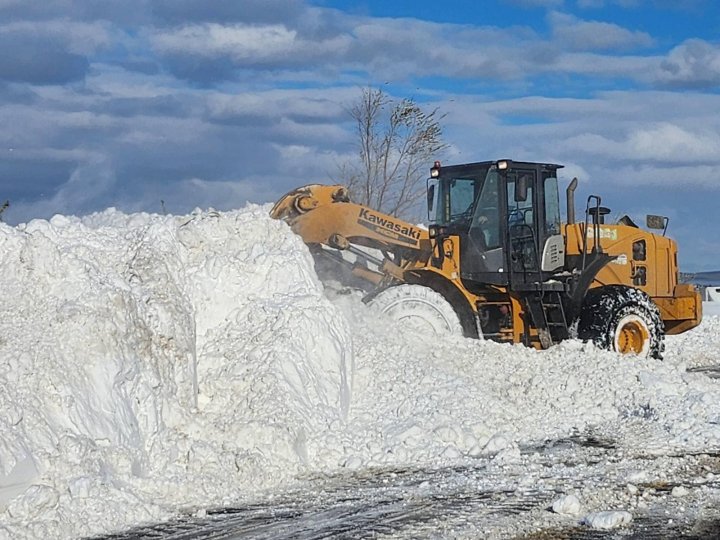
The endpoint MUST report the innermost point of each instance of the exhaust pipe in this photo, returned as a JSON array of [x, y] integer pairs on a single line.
[[570, 194]]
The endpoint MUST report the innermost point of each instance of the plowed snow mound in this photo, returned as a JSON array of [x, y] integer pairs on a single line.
[[158, 359], [154, 363]]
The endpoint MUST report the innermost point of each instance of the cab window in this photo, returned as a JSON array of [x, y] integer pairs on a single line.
[[486, 216], [520, 212], [462, 197], [552, 206]]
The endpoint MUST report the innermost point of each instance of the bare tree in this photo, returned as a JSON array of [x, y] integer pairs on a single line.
[[4, 206], [397, 142]]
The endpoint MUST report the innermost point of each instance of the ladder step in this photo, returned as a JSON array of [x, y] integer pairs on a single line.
[[538, 286], [545, 304]]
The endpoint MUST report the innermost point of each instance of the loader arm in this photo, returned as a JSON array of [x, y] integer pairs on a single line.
[[324, 216]]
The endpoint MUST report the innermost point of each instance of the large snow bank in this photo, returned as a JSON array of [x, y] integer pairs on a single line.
[[152, 363], [158, 359]]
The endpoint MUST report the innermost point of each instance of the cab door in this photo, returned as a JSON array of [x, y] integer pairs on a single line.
[[483, 257], [521, 226], [536, 247]]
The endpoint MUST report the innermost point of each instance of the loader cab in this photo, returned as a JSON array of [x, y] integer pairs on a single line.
[[506, 215]]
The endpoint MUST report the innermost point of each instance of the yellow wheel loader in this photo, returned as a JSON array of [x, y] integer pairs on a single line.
[[497, 262]]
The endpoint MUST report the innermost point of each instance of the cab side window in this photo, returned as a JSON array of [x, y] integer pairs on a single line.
[[552, 206], [486, 216], [520, 212]]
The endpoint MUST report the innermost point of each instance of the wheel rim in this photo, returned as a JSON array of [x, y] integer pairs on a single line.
[[632, 336]]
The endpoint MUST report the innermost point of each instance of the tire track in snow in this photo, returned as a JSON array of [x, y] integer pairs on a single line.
[[476, 500]]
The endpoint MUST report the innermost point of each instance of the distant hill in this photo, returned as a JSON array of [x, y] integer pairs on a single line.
[[701, 278]]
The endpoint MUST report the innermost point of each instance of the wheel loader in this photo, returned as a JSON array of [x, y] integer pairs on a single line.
[[498, 262]]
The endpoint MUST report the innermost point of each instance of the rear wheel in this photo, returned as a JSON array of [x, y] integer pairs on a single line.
[[420, 307], [622, 319]]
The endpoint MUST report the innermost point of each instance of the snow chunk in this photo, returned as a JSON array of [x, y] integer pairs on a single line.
[[567, 505], [607, 519]]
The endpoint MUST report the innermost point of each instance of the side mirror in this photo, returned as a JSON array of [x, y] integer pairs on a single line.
[[431, 188], [657, 222], [521, 189], [431, 196]]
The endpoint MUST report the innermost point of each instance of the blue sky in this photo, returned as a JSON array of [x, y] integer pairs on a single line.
[[199, 104]]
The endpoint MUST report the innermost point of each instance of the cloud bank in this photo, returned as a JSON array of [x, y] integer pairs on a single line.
[[214, 104]]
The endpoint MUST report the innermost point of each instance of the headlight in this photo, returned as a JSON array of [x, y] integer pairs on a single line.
[[435, 171], [436, 230]]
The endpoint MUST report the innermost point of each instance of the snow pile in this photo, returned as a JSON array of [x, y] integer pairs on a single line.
[[150, 358], [425, 397], [150, 364]]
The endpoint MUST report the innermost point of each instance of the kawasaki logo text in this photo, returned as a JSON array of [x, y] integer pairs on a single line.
[[381, 224]]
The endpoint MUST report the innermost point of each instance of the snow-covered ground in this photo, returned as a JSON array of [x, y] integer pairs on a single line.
[[151, 365], [711, 309]]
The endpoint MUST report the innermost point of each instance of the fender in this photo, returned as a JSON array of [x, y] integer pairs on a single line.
[[581, 285]]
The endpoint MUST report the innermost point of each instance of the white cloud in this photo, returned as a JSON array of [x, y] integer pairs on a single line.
[[649, 131], [603, 3], [329, 47], [309, 105], [116, 82], [238, 41], [287, 129], [669, 142], [578, 34], [655, 145], [693, 63], [242, 42], [267, 110], [681, 177]]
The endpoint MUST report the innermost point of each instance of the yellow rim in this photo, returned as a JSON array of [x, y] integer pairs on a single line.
[[632, 337]]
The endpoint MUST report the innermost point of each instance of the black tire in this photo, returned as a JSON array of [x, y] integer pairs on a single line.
[[622, 319]]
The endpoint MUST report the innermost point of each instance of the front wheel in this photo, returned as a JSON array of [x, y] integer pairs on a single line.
[[622, 319], [420, 307]]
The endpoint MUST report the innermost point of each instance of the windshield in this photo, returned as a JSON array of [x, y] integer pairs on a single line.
[[462, 198], [456, 197]]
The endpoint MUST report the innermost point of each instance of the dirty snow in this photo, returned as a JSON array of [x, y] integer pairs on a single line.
[[156, 364]]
